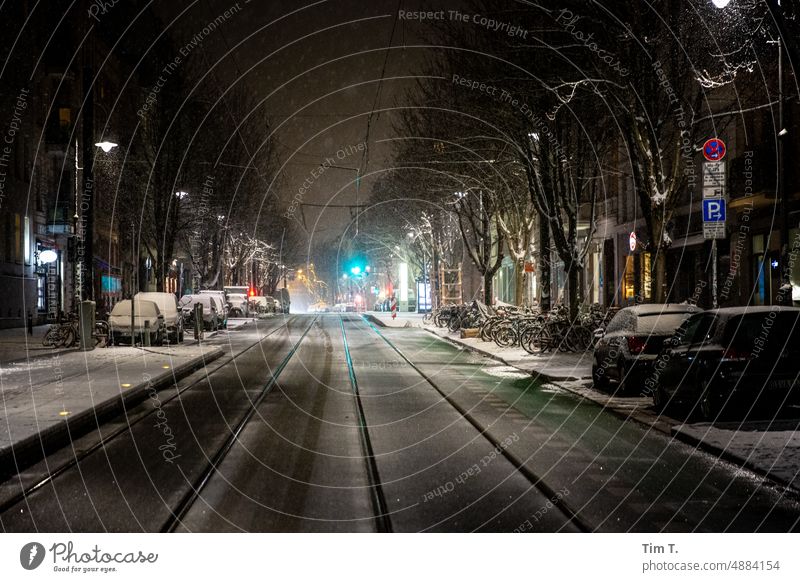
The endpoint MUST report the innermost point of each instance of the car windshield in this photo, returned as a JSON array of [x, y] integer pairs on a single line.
[[660, 323]]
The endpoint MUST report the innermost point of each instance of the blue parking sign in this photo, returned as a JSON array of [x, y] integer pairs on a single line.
[[714, 210]]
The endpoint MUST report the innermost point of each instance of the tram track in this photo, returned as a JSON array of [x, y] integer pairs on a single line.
[[123, 424], [192, 495], [382, 520], [535, 480]]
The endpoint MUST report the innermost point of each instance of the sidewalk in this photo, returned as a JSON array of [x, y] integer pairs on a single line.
[[769, 449], [16, 344], [384, 318], [53, 395]]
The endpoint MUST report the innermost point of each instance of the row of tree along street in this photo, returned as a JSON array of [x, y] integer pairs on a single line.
[[540, 147], [182, 194]]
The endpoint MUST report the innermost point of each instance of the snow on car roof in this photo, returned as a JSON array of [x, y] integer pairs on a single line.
[[656, 308], [753, 309]]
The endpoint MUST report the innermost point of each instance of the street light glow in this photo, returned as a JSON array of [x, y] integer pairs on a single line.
[[48, 256], [181, 194], [721, 3], [106, 146]]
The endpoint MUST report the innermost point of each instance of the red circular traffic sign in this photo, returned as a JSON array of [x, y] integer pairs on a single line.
[[714, 149]]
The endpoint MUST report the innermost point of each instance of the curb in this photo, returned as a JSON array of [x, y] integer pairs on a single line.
[[372, 319], [731, 458], [31, 449]]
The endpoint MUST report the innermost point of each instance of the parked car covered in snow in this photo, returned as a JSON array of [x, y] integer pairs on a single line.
[[213, 310], [237, 305], [627, 348], [222, 301], [261, 305], [732, 360], [146, 318], [168, 305]]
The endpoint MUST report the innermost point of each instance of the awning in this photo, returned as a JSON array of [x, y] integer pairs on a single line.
[[688, 241]]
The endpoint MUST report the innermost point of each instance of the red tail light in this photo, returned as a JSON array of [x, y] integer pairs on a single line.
[[737, 354], [636, 344]]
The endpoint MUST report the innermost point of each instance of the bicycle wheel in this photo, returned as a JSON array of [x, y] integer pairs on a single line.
[[68, 337], [581, 338], [529, 339], [49, 339], [505, 336], [486, 330], [454, 324]]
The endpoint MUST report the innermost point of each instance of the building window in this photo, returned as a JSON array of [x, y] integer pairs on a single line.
[[64, 117], [26, 240], [761, 270], [629, 279], [17, 237], [646, 276], [41, 293]]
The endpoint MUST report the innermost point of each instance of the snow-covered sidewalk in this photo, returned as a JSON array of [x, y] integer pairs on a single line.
[[771, 449], [552, 366], [46, 398]]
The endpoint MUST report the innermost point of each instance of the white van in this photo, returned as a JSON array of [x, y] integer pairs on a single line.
[[168, 305], [222, 304]]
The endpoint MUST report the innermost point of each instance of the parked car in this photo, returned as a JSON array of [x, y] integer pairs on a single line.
[[146, 316], [274, 304], [733, 359], [261, 305], [627, 348], [173, 317], [213, 310], [318, 307], [237, 305], [222, 303]]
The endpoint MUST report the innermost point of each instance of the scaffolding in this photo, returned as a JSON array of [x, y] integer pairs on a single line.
[[450, 281]]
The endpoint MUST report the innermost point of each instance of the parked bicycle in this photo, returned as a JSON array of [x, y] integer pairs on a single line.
[[66, 333]]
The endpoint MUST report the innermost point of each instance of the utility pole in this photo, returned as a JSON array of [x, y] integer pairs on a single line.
[[788, 43], [786, 270], [87, 195]]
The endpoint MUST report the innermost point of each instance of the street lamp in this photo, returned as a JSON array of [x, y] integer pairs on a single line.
[[106, 146], [720, 3]]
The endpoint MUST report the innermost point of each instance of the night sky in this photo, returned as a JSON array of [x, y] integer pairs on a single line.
[[321, 68]]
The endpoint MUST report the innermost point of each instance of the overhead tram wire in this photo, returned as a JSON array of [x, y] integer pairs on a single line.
[[375, 102]]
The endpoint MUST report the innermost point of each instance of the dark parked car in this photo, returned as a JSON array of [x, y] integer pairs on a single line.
[[633, 339], [732, 359]]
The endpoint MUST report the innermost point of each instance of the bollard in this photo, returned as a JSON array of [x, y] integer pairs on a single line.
[[30, 323], [198, 321], [86, 325], [146, 338]]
